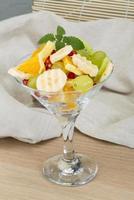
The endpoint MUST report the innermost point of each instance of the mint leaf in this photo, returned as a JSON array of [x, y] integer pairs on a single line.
[[46, 38], [59, 37], [59, 45], [76, 43], [60, 30]]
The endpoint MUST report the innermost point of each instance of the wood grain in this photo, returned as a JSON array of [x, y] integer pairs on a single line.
[[21, 165]]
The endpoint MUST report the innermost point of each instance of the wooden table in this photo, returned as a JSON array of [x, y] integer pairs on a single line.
[[21, 165]]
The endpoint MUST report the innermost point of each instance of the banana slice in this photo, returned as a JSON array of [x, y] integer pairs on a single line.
[[18, 74], [107, 72], [85, 65], [52, 80], [44, 53], [60, 54], [72, 68]]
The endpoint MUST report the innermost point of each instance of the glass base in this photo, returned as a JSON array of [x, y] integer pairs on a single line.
[[78, 171]]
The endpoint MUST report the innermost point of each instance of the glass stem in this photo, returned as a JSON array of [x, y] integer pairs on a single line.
[[68, 150], [68, 131]]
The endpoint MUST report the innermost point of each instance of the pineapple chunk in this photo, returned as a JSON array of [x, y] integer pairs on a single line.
[[67, 60], [45, 52]]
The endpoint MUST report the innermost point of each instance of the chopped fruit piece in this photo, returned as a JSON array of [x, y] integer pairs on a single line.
[[102, 69], [59, 65], [25, 81], [87, 51], [67, 60], [107, 72], [88, 47], [98, 57], [52, 80], [69, 107], [32, 82], [71, 75], [30, 66], [48, 60], [37, 94], [55, 98], [60, 54], [72, 53], [85, 65], [18, 74], [48, 63], [37, 50], [82, 83], [72, 105], [48, 66], [74, 69], [84, 53], [46, 51], [68, 86]]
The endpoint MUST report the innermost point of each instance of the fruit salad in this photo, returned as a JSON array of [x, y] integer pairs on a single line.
[[63, 63]]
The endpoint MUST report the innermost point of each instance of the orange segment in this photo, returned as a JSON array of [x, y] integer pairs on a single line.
[[71, 106], [30, 66], [68, 86], [37, 50]]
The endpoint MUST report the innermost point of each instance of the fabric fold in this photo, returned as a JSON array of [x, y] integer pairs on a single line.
[[109, 116]]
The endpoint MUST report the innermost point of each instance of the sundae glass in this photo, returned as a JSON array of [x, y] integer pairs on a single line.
[[64, 79]]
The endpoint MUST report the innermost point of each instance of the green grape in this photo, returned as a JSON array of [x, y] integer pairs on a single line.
[[88, 48], [87, 51], [84, 52], [102, 69], [82, 83], [98, 57], [32, 82]]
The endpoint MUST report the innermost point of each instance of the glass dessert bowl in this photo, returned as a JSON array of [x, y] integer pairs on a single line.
[[69, 168], [63, 77]]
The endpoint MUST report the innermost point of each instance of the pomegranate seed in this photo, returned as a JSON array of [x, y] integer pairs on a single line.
[[71, 75], [37, 94], [25, 81], [48, 63], [72, 53], [48, 66]]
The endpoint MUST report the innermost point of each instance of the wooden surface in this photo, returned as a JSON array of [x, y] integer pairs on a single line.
[[21, 165]]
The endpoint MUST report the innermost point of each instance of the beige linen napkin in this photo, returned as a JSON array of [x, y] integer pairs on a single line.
[[109, 116]]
